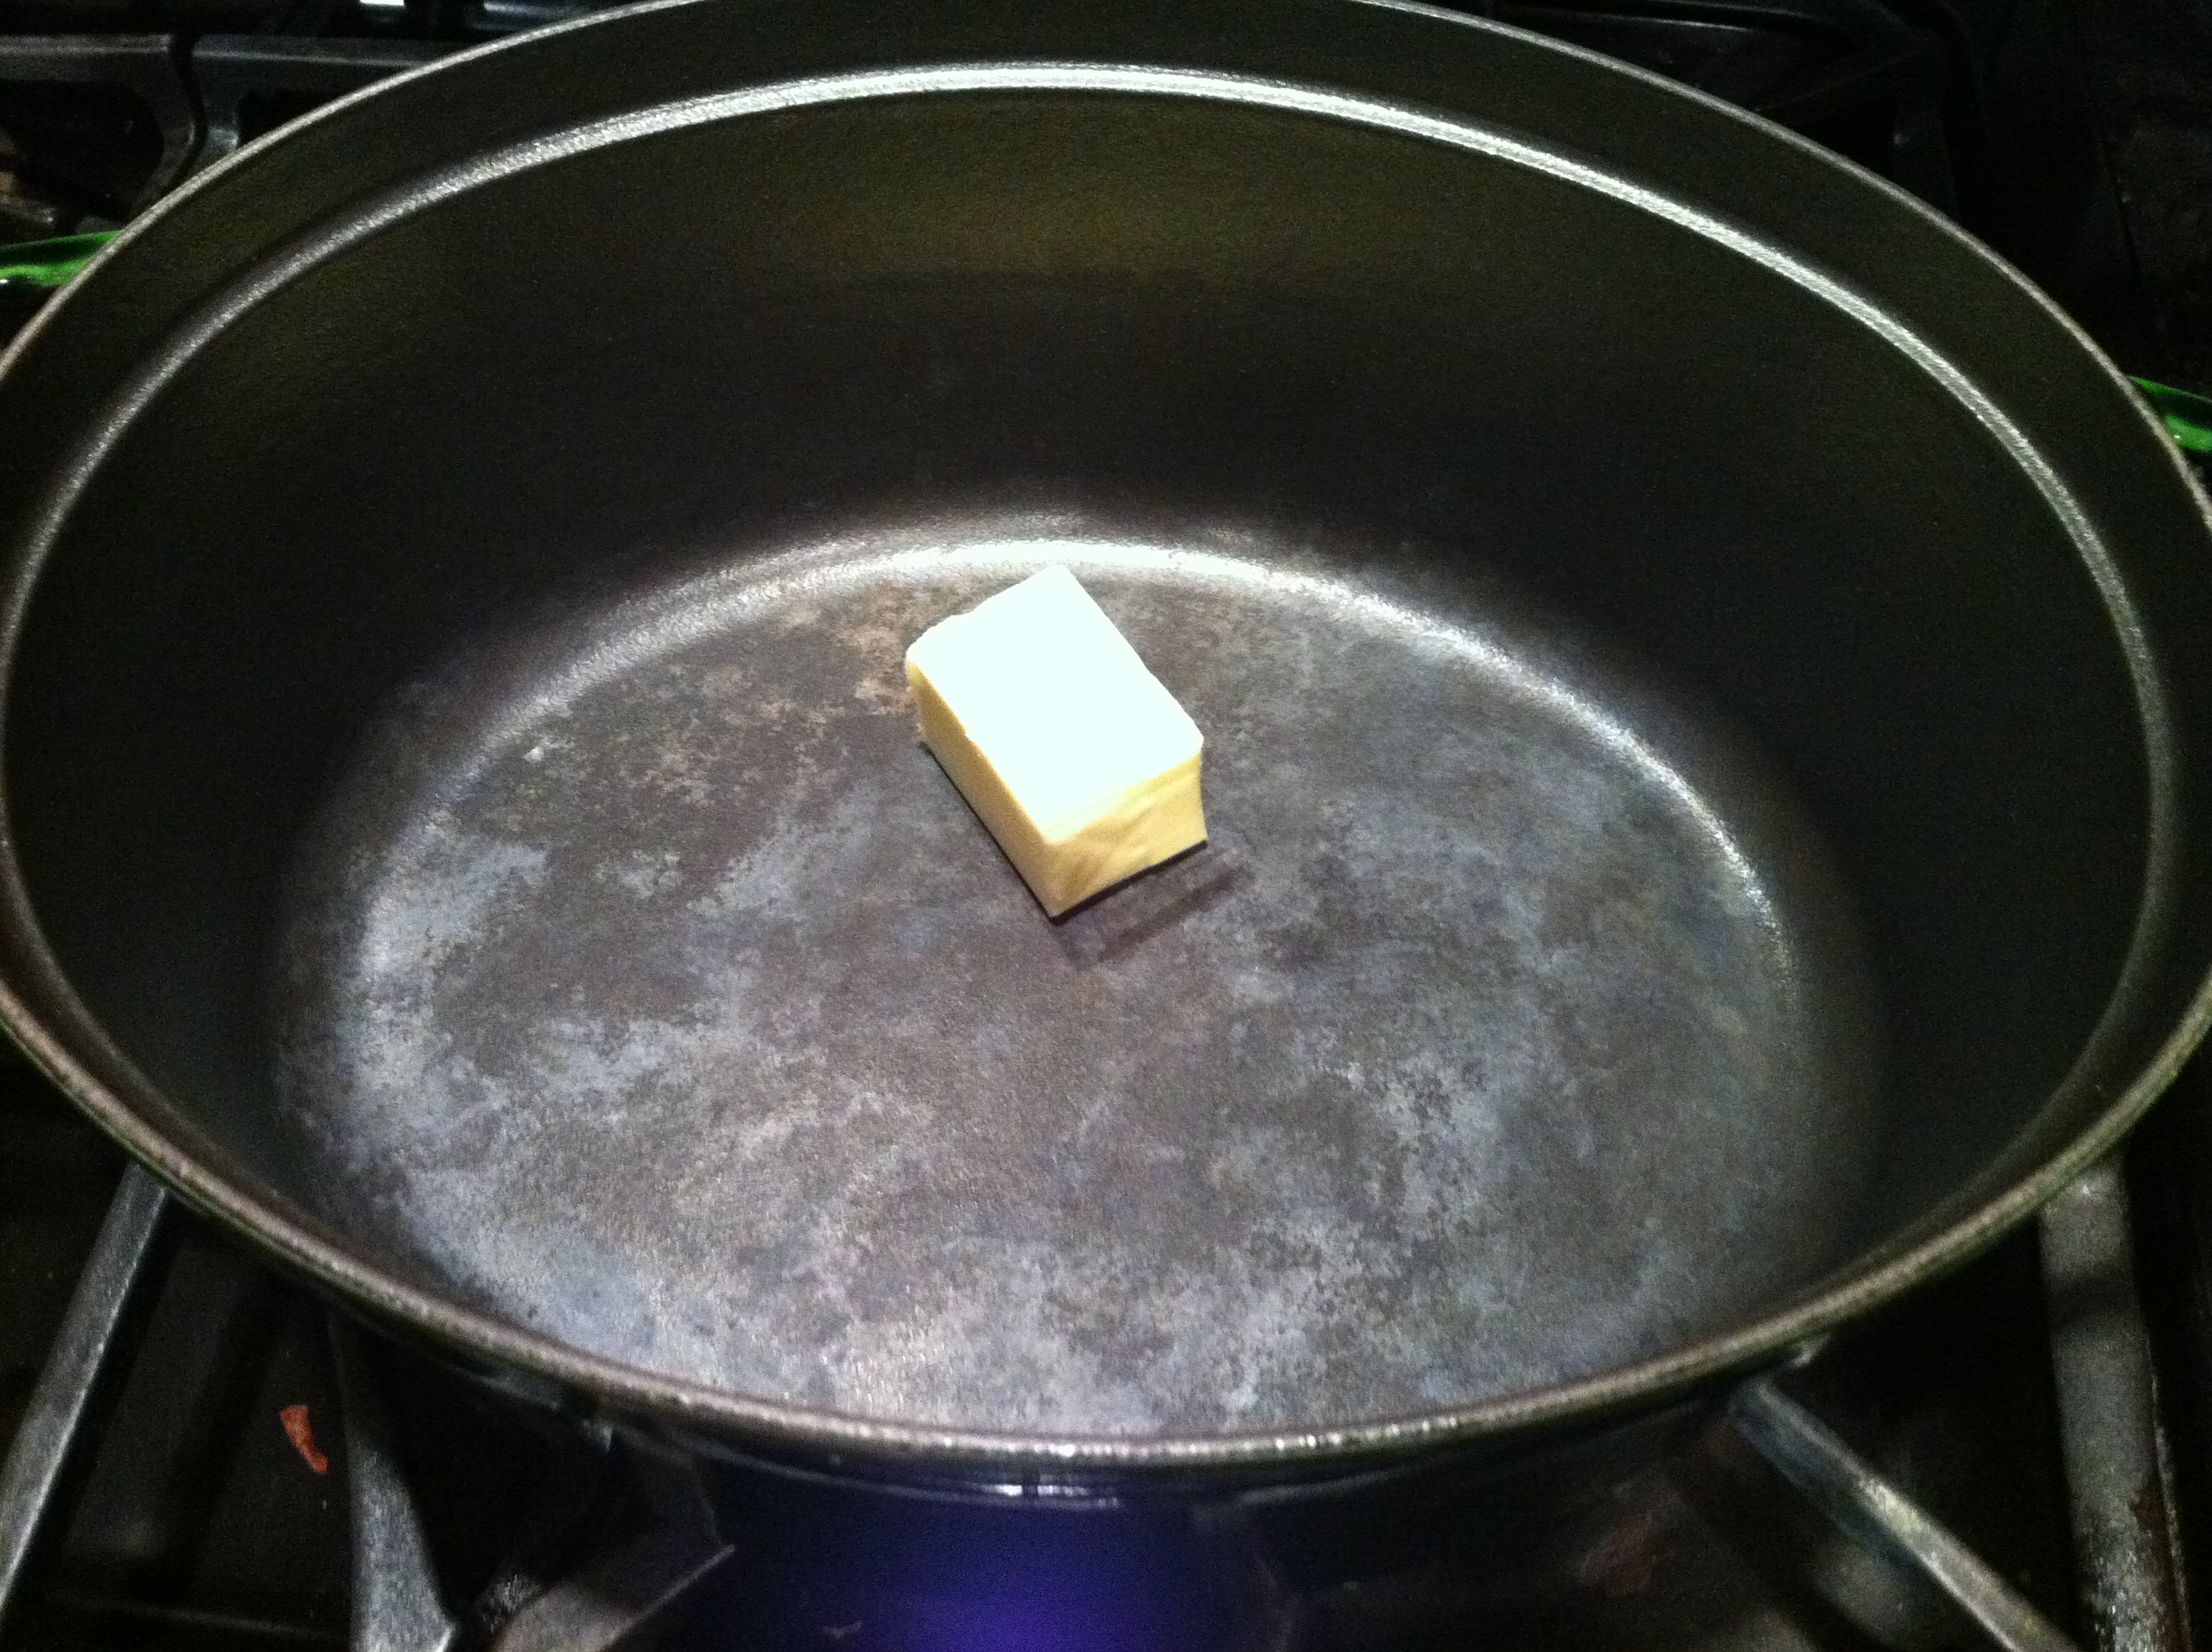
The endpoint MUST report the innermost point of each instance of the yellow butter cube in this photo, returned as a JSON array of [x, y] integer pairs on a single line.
[[1078, 759]]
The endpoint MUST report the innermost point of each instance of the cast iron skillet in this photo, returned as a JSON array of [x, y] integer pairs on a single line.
[[1702, 668]]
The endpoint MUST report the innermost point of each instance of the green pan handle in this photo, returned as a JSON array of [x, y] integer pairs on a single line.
[[2188, 415], [49, 264]]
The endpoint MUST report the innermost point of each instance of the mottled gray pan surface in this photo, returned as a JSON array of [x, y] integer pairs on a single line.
[[650, 984]]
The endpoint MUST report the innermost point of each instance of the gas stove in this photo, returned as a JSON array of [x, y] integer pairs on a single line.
[[205, 1455]]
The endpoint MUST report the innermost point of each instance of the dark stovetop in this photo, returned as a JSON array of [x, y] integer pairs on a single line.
[[2075, 135]]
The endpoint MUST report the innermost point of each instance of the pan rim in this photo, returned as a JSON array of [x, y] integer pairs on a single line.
[[104, 1082]]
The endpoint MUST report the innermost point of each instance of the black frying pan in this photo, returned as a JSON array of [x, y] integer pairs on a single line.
[[1702, 671]]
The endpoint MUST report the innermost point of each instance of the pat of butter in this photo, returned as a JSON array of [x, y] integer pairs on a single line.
[[1083, 766]]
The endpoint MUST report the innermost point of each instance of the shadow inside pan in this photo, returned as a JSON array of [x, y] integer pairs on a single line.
[[648, 980]]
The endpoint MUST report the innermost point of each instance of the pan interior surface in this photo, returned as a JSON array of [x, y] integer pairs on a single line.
[[520, 895], [648, 980]]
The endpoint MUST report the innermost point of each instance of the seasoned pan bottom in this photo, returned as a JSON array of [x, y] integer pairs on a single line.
[[647, 983]]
